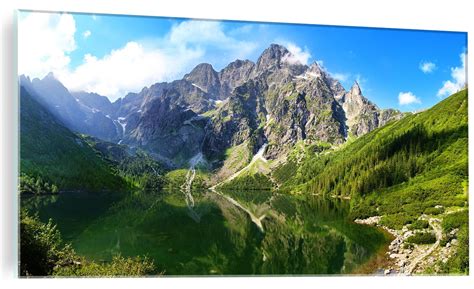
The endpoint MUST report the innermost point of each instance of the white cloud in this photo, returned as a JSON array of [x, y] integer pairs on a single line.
[[209, 35], [140, 64], [126, 69], [342, 77], [44, 42], [458, 81], [86, 34], [427, 67], [47, 39], [406, 98], [298, 55]]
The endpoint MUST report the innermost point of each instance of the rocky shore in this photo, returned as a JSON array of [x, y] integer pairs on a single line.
[[405, 258]]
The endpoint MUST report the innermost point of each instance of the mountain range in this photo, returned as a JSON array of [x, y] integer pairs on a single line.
[[276, 101]]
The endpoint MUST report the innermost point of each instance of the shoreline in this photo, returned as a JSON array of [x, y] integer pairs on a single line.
[[402, 258], [375, 264]]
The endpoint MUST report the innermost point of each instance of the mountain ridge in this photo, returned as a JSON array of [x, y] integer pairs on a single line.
[[289, 102]]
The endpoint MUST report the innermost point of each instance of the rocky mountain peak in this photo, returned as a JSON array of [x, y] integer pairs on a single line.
[[204, 77], [315, 70], [237, 64], [271, 58], [205, 68], [275, 51], [362, 116], [50, 84], [233, 75], [355, 89]]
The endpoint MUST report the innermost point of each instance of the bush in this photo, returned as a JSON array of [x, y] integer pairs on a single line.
[[397, 221], [40, 246], [119, 266], [454, 221], [459, 261], [151, 182], [422, 238], [434, 211], [419, 224]]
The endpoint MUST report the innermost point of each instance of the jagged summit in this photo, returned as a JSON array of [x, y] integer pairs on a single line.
[[275, 51], [201, 68], [355, 89], [271, 58], [204, 77]]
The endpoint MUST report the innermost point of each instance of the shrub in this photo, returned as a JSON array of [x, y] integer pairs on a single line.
[[119, 266], [454, 220], [419, 224], [40, 246], [397, 221], [459, 261], [434, 211], [422, 238]]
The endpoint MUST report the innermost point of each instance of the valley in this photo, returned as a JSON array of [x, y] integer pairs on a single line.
[[265, 168]]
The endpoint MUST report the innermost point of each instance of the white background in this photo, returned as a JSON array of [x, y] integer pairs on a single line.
[[453, 15]]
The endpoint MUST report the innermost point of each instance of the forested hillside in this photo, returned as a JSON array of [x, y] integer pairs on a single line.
[[408, 165], [51, 154]]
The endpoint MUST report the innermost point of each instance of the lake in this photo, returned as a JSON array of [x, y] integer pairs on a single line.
[[311, 235]]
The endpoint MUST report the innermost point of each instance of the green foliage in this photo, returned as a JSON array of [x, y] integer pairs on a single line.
[[284, 172], [51, 152], [151, 182], [459, 262], [43, 253], [419, 225], [455, 221], [248, 182], [32, 185], [142, 171], [173, 180], [118, 267], [40, 246], [137, 168], [434, 210], [422, 238], [397, 221]]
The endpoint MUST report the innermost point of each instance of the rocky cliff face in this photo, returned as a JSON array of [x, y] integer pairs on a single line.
[[362, 115], [277, 100], [283, 102], [233, 75]]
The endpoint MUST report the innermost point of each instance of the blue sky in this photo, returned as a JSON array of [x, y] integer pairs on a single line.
[[112, 55]]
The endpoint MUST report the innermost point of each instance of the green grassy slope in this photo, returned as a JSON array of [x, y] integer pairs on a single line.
[[52, 153]]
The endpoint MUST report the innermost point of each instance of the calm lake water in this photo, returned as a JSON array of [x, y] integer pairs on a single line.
[[310, 236]]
